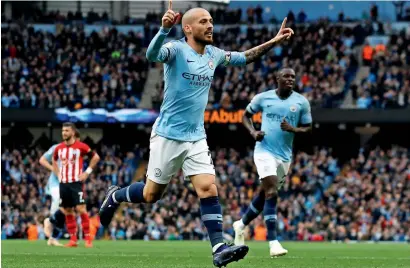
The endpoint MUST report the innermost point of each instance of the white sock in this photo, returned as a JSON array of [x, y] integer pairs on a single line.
[[215, 248], [271, 243], [241, 224]]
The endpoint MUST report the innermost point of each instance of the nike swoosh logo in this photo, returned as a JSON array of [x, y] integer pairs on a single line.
[[269, 105], [190, 61]]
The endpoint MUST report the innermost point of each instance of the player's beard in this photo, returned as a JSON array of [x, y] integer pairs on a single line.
[[68, 138], [201, 40]]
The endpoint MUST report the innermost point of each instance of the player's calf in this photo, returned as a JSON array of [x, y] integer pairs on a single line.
[[270, 217], [254, 209], [109, 206], [211, 215], [85, 224], [71, 226], [136, 193], [58, 221]]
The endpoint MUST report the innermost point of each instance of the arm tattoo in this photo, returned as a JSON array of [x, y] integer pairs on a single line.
[[256, 52]]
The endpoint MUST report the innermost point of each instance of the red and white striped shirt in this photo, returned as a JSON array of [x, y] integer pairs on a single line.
[[71, 160]]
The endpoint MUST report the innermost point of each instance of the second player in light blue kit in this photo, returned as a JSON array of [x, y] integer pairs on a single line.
[[284, 113], [178, 138], [52, 189]]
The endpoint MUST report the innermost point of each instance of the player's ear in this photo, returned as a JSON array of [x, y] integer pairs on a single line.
[[187, 29]]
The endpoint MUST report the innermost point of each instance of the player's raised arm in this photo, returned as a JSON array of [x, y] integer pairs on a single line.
[[156, 52], [251, 109], [256, 52], [235, 58]]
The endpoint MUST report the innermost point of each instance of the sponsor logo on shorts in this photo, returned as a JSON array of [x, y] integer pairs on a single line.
[[157, 172]]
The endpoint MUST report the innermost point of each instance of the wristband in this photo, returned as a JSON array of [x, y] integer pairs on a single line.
[[88, 170]]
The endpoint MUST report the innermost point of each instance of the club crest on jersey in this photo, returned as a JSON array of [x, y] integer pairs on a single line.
[[211, 64], [227, 58], [293, 108], [168, 45]]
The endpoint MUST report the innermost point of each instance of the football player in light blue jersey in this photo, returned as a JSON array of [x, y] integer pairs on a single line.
[[284, 113], [52, 189], [178, 137]]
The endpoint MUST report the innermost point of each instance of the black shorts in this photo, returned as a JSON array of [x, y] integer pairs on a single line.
[[71, 194]]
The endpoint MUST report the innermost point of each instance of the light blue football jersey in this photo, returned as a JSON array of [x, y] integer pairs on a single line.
[[53, 179], [295, 109], [188, 77]]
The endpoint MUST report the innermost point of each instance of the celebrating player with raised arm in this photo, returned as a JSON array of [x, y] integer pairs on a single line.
[[178, 138], [284, 113]]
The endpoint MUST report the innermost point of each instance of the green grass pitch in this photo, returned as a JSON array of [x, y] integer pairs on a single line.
[[140, 254]]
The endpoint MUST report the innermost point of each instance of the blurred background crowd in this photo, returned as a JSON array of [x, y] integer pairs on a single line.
[[74, 68], [364, 199]]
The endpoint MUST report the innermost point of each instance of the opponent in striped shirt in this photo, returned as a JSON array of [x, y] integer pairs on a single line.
[[54, 225], [70, 173]]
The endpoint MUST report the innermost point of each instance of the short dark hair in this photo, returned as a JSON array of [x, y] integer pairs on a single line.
[[69, 124], [284, 68]]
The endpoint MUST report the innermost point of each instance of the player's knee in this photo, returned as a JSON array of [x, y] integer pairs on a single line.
[[151, 197], [68, 210], [207, 190], [271, 193], [81, 209]]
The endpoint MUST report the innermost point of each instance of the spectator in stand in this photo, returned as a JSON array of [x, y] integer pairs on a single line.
[[291, 16], [302, 16], [374, 12], [367, 54], [250, 12], [258, 13]]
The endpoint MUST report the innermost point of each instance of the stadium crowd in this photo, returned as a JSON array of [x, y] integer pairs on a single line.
[[71, 69], [366, 200], [388, 82], [109, 69]]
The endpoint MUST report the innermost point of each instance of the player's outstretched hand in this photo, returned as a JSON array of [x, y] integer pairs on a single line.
[[258, 135], [285, 126], [170, 18], [284, 33]]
